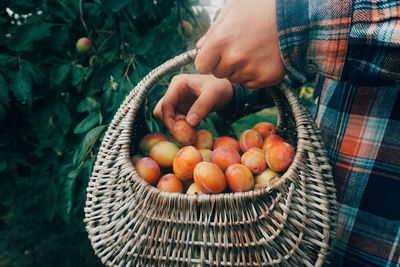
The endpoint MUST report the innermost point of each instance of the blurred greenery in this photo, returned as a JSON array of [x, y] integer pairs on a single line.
[[56, 103]]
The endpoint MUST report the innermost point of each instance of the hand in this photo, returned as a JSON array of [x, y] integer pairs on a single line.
[[242, 45], [192, 96]]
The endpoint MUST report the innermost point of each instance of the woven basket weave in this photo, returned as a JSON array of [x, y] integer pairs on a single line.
[[131, 223]]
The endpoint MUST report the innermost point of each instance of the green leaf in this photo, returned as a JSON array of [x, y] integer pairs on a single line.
[[65, 194], [63, 117], [87, 123], [23, 6], [208, 124], [36, 74], [62, 74], [59, 38], [221, 126], [115, 5], [87, 144], [60, 10], [74, 173], [80, 188], [133, 9], [50, 204], [6, 60], [4, 98], [77, 75], [3, 165], [145, 44], [25, 36], [21, 86], [247, 122], [7, 191], [89, 104]]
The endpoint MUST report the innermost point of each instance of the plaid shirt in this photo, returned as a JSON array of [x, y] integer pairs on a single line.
[[352, 50]]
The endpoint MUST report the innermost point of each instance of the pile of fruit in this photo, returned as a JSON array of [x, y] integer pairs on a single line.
[[191, 161]]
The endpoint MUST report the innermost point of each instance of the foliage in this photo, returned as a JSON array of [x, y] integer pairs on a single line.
[[56, 103]]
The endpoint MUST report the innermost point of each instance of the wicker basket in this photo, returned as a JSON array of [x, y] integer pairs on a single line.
[[131, 223]]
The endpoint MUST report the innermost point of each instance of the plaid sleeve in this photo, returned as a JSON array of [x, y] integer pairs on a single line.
[[357, 40]]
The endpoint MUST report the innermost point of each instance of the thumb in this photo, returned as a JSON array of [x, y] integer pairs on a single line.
[[225, 10]]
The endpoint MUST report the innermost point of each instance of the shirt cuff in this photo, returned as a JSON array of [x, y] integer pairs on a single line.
[[245, 101]]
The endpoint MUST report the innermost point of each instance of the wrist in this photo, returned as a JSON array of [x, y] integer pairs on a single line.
[[242, 103]]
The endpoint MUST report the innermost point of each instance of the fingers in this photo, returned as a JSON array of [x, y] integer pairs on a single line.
[[209, 54], [158, 113], [227, 66], [229, 4], [166, 107], [207, 57], [201, 107], [168, 115], [192, 97]]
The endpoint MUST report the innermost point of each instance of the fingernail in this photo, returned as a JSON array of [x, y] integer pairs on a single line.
[[200, 42], [192, 119]]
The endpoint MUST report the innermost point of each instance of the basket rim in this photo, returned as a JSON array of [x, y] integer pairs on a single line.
[[117, 197]]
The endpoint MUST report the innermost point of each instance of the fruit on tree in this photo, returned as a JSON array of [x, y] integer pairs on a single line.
[[83, 45], [185, 29]]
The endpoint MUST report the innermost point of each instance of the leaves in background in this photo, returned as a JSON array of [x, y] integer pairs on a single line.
[[66, 177], [21, 86], [62, 74], [26, 35], [145, 44], [247, 122], [63, 118], [49, 91], [50, 200], [61, 10], [89, 104], [4, 98], [87, 123], [115, 6], [87, 144], [7, 191]]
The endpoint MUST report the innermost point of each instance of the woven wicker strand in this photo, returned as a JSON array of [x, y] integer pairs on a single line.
[[131, 223]]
